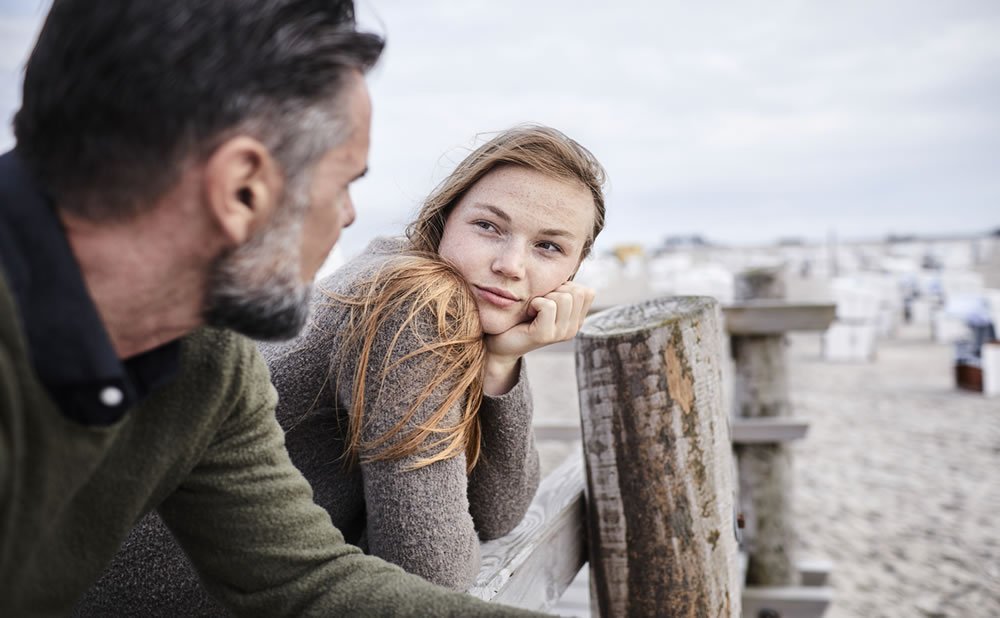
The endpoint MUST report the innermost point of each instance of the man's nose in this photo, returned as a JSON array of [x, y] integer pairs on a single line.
[[349, 214], [510, 261]]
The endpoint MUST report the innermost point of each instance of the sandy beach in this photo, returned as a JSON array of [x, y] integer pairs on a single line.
[[897, 481]]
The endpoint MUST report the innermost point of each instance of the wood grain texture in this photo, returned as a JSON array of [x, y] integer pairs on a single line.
[[659, 460], [533, 565]]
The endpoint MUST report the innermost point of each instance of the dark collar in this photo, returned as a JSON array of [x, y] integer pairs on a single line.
[[67, 343]]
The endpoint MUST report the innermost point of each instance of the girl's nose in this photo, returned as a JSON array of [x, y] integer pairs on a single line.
[[509, 262]]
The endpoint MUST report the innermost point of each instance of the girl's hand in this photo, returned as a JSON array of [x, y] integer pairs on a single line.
[[558, 317]]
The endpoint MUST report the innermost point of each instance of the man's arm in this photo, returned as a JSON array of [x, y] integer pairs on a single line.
[[245, 516]]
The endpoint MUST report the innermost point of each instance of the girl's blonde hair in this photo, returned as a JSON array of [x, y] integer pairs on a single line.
[[422, 285]]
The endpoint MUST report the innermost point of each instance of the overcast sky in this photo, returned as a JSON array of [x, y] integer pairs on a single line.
[[742, 122]]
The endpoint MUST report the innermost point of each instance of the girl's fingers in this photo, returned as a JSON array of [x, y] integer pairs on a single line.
[[558, 315], [564, 312], [545, 319], [583, 297]]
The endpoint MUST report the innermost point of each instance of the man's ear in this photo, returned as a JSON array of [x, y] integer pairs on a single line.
[[242, 187]]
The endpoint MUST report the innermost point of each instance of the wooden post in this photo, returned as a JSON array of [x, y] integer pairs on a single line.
[[759, 284], [760, 390], [660, 487]]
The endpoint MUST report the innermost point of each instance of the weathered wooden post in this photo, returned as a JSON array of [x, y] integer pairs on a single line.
[[760, 390], [660, 486], [757, 323]]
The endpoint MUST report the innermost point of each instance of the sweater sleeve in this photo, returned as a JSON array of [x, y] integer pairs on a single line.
[[417, 518], [505, 479], [245, 516]]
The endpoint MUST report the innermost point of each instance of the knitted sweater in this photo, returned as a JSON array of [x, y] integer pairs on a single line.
[[425, 520], [429, 520], [207, 452]]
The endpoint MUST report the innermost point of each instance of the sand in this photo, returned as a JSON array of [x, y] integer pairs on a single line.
[[897, 482]]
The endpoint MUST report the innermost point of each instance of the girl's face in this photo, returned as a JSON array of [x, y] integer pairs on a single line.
[[516, 234]]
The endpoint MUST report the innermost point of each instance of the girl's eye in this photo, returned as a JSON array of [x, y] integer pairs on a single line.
[[484, 225], [550, 246]]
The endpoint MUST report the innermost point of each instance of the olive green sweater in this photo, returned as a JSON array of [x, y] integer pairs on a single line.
[[208, 454]]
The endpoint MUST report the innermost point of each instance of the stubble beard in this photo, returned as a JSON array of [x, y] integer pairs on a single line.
[[256, 289]]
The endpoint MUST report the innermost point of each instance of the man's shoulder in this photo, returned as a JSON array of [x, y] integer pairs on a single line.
[[220, 353], [219, 370], [216, 343]]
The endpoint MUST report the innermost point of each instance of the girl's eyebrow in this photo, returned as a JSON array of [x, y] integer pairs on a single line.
[[500, 214], [495, 210]]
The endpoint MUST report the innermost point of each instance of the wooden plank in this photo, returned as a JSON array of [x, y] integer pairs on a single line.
[[786, 601], [532, 566], [814, 572], [554, 430], [774, 317], [768, 430], [575, 601]]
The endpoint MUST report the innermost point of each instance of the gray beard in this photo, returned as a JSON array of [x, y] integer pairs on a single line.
[[256, 289]]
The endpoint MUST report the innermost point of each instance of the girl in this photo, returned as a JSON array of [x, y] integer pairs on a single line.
[[405, 401]]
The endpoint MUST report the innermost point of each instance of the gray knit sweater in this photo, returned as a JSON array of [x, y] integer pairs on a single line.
[[428, 520], [425, 520]]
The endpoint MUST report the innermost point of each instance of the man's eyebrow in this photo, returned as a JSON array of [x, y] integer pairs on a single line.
[[361, 174]]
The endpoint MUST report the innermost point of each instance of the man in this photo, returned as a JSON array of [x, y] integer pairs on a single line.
[[182, 169]]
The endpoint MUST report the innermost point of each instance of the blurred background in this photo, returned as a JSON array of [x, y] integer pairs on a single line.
[[741, 123], [850, 149]]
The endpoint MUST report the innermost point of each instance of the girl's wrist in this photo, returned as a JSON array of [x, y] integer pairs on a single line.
[[500, 375]]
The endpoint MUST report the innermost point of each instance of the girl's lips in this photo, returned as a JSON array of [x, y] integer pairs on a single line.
[[494, 298]]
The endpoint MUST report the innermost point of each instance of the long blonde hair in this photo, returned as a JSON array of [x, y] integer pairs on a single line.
[[420, 286], [421, 283]]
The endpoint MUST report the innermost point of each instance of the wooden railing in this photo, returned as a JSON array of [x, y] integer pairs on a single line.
[[657, 464], [532, 566], [657, 459]]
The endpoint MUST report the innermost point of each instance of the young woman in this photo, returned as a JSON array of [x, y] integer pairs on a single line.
[[405, 402]]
